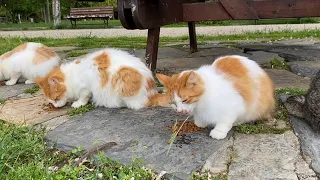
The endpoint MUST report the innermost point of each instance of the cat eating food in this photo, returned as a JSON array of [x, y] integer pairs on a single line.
[[233, 90], [110, 77], [28, 60]]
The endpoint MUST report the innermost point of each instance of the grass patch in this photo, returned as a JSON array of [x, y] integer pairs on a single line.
[[7, 44], [76, 54], [276, 63], [80, 110], [291, 91], [32, 90], [25, 155], [2, 101], [259, 127]]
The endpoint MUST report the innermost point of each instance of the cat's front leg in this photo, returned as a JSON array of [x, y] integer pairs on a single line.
[[221, 130], [29, 82], [14, 79], [84, 98]]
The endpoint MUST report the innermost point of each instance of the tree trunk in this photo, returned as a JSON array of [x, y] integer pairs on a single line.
[[48, 17], [56, 13]]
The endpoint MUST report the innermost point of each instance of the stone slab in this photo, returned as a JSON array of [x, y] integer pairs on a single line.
[[165, 52], [305, 68], [141, 134], [285, 79], [267, 156], [263, 58], [288, 52], [12, 91], [28, 110], [310, 142]]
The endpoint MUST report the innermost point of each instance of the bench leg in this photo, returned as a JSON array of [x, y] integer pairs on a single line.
[[152, 48], [192, 37]]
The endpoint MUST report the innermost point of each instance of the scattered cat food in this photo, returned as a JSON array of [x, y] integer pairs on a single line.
[[2, 83], [188, 127], [49, 107]]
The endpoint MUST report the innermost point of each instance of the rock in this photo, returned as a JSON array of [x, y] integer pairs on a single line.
[[216, 52], [305, 68], [267, 156], [55, 122], [288, 52], [12, 91], [65, 48], [139, 134], [219, 160], [165, 52], [310, 142], [29, 111], [285, 79], [263, 58]]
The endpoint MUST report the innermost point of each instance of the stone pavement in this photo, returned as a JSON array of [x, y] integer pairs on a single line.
[[144, 134]]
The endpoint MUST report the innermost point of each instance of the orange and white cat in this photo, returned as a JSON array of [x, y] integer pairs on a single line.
[[111, 77], [28, 60], [233, 90]]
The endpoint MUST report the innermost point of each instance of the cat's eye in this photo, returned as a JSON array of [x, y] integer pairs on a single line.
[[184, 101]]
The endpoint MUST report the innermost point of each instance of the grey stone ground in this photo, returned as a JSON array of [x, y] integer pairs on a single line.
[[144, 134]]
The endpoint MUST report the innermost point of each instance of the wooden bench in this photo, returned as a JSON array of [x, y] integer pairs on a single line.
[[104, 13], [152, 14]]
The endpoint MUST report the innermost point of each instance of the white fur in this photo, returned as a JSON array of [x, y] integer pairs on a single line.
[[20, 65], [83, 81], [221, 104]]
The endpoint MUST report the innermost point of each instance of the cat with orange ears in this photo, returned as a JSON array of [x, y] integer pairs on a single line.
[[28, 60], [110, 77], [233, 90]]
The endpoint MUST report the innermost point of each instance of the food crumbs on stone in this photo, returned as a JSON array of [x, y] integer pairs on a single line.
[[193, 153], [2, 83], [49, 107], [188, 127]]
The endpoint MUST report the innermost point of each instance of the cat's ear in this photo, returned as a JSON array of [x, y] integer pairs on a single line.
[[192, 80], [53, 81], [163, 79]]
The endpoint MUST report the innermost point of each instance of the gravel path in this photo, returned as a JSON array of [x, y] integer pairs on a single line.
[[171, 32]]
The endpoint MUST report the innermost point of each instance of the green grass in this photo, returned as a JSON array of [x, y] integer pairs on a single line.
[[65, 24], [98, 24], [276, 63], [291, 91], [25, 155], [205, 176], [259, 127], [76, 54], [7, 44], [32, 90], [2, 101], [80, 110]]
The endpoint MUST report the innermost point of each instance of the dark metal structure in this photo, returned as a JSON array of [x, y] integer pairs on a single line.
[[152, 14]]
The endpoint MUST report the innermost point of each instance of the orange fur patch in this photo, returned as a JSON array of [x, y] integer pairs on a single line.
[[159, 100], [151, 85], [236, 72], [103, 63], [43, 54], [15, 50], [53, 91], [267, 103], [128, 81]]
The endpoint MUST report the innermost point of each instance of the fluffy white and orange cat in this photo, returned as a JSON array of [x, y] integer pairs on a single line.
[[28, 60], [111, 77], [233, 90]]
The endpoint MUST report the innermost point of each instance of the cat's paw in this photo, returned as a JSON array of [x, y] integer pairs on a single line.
[[29, 82], [216, 134], [77, 104], [10, 83]]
